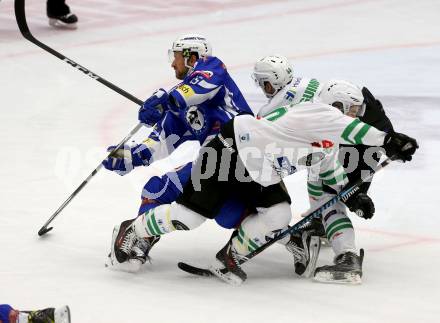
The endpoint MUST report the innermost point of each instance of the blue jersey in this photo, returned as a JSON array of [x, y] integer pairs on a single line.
[[207, 98]]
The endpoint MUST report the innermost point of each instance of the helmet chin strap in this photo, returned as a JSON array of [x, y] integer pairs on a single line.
[[189, 67]]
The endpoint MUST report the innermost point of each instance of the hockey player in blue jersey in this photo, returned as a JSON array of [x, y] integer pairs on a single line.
[[194, 109]]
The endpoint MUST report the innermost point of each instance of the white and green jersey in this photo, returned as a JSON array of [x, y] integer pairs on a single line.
[[299, 90], [305, 135]]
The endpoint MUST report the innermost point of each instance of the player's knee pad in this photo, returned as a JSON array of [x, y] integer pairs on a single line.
[[275, 217], [267, 220], [185, 218]]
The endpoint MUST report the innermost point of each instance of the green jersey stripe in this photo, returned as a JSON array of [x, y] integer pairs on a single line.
[[276, 114], [347, 131], [361, 134]]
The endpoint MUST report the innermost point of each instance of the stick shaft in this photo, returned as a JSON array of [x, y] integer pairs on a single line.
[[342, 196], [20, 16]]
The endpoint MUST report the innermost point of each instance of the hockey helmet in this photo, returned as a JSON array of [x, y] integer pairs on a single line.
[[274, 69], [343, 95], [191, 43]]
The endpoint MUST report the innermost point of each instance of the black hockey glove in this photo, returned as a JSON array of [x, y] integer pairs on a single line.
[[370, 101], [400, 146], [362, 205]]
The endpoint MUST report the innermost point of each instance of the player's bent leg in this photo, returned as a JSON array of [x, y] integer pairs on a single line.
[[255, 228], [250, 235], [133, 239], [166, 218], [165, 189]]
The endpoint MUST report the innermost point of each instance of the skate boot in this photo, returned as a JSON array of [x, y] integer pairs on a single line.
[[304, 247], [229, 269], [123, 240], [50, 315], [346, 270], [316, 225], [141, 249], [67, 21]]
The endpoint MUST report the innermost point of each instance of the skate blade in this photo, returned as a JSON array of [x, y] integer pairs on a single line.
[[62, 314], [59, 24], [315, 247], [346, 278], [227, 277], [130, 266]]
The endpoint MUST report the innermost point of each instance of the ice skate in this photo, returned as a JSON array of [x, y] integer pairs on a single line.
[[123, 240], [50, 315], [68, 21], [128, 252], [346, 270], [141, 249], [304, 248], [228, 266]]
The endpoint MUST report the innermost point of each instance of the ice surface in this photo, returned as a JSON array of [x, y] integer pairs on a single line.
[[56, 124]]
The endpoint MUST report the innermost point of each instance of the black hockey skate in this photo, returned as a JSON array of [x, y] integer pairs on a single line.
[[128, 251], [304, 247], [124, 241], [50, 315], [229, 259], [67, 21], [346, 270]]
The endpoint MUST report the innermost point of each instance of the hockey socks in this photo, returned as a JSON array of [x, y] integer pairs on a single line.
[[166, 218]]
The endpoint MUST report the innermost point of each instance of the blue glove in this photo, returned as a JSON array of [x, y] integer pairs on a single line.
[[5, 309], [124, 160], [154, 108]]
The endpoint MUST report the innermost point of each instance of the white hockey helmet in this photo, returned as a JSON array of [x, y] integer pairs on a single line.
[[274, 69], [343, 95], [191, 43]]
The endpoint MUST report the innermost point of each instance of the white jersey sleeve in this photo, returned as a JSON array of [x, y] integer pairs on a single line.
[[295, 136]]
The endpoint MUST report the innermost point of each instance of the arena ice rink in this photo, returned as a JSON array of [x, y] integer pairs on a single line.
[[56, 124]]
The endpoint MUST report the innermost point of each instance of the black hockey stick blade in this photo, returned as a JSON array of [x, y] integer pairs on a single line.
[[20, 15], [194, 270], [44, 230]]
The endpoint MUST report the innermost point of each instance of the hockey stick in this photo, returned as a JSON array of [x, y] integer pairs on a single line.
[[344, 195], [20, 16]]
